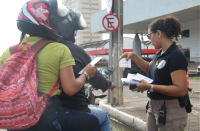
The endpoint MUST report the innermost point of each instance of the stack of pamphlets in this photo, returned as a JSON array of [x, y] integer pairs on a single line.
[[135, 79]]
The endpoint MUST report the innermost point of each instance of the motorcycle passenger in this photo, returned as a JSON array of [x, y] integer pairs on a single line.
[[40, 19], [78, 100], [168, 69]]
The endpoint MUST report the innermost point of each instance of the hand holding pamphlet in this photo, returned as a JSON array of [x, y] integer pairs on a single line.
[[93, 62], [124, 63], [128, 81], [135, 79], [139, 77]]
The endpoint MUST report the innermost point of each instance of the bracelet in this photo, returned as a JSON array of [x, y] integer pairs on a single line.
[[151, 89]]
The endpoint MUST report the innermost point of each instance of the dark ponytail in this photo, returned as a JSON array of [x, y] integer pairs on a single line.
[[23, 34], [170, 25]]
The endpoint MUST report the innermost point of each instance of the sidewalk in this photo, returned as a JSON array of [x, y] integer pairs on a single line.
[[133, 111]]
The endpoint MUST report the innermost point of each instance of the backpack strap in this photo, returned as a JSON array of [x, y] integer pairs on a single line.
[[40, 44], [54, 87], [36, 47]]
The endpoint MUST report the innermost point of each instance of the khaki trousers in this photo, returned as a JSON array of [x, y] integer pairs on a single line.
[[176, 116]]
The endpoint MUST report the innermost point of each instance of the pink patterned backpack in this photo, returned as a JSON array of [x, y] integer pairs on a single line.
[[21, 105]]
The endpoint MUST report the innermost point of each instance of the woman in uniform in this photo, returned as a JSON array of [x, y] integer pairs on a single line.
[[168, 70]]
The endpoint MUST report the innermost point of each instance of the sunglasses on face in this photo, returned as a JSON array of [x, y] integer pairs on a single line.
[[149, 36]]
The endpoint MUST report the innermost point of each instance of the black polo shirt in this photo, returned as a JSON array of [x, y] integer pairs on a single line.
[[163, 65]]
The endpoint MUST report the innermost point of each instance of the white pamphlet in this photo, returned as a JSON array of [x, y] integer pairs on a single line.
[[93, 62], [124, 63], [130, 76], [135, 79], [138, 77], [129, 81]]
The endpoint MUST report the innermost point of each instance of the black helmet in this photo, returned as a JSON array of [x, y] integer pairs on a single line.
[[73, 21], [41, 18]]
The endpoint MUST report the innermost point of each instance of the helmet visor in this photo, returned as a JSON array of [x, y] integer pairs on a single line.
[[82, 24], [62, 10]]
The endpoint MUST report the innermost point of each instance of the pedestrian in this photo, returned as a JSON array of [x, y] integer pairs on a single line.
[[77, 100], [40, 19], [188, 87], [168, 69]]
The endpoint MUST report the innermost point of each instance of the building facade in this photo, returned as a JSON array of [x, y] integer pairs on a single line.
[[86, 7], [138, 14]]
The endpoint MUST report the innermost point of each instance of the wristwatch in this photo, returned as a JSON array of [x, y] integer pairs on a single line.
[[151, 89], [86, 75]]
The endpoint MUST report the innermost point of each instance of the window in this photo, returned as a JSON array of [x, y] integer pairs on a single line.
[[186, 33]]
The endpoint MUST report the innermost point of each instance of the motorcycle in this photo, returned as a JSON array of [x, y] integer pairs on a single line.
[[90, 97]]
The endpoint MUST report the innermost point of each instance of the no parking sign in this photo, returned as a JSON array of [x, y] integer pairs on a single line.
[[111, 22]]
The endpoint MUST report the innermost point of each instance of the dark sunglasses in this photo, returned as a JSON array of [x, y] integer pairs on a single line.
[[149, 36]]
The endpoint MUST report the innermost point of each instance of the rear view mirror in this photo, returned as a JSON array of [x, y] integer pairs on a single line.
[[106, 71]]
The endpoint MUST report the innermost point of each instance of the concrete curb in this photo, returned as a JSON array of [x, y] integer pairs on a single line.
[[125, 118]]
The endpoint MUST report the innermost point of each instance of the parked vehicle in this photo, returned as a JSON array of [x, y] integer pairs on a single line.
[[198, 70], [134, 70]]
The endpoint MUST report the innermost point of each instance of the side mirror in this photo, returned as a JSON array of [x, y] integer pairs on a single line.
[[107, 71]]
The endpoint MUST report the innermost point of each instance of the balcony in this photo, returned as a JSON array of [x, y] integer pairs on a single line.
[[91, 37], [90, 8], [91, 3], [87, 12]]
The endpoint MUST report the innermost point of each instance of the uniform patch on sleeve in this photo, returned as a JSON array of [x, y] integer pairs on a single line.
[[71, 56], [161, 64]]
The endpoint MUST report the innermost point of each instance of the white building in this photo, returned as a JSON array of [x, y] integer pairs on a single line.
[[86, 7], [138, 14]]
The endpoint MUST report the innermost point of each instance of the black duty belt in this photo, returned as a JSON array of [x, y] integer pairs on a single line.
[[158, 96]]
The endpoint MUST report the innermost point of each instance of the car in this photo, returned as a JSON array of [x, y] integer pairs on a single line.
[[134, 70], [198, 70]]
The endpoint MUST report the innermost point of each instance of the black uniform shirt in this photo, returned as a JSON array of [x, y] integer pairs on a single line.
[[78, 100], [163, 65]]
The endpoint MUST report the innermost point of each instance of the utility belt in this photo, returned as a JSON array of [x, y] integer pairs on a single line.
[[157, 96], [183, 101]]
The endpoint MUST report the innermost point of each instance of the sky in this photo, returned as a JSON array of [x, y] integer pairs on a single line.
[[10, 35]]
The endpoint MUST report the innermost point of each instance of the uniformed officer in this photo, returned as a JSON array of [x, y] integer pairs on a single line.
[[168, 70]]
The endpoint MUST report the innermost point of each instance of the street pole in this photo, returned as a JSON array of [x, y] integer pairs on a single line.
[[120, 49], [117, 48]]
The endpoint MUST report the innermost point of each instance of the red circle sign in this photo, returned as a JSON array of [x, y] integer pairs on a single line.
[[110, 22]]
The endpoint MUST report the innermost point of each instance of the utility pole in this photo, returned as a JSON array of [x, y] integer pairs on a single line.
[[117, 50]]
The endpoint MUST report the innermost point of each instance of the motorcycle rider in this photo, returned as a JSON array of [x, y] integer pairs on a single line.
[[68, 29], [39, 19]]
